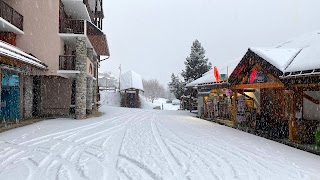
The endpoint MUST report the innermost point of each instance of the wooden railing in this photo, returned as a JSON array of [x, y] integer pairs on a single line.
[[72, 26], [67, 62], [11, 15]]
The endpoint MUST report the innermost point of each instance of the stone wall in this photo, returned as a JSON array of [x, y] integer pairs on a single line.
[[94, 94], [81, 78], [89, 94]]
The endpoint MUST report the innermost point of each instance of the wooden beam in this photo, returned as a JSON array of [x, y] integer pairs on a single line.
[[307, 85], [235, 97], [246, 95], [315, 101], [292, 115], [259, 85]]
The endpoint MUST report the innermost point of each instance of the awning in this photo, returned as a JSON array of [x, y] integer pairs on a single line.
[[14, 52]]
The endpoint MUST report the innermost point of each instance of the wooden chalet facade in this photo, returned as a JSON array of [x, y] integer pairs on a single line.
[[279, 98]]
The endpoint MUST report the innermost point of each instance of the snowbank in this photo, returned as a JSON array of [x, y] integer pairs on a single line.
[[110, 98], [147, 104]]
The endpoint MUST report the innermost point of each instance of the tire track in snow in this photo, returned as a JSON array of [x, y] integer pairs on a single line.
[[253, 161], [78, 129], [177, 171], [222, 150], [202, 154], [26, 148], [119, 140]]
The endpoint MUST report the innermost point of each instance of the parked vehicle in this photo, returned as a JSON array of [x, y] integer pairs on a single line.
[[175, 102]]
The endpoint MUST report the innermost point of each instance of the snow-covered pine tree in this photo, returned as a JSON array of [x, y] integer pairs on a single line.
[[196, 64], [176, 86]]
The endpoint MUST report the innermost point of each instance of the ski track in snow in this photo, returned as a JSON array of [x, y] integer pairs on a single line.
[[142, 144]]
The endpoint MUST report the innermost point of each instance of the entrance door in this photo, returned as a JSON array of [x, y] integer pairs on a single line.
[[10, 97]]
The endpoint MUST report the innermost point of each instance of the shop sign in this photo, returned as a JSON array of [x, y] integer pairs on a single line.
[[257, 76]]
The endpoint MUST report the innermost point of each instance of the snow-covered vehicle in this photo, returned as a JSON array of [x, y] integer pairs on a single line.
[[175, 102]]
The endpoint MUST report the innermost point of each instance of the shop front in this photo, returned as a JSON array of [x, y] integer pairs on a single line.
[[258, 98], [214, 102], [303, 105], [17, 69], [277, 100]]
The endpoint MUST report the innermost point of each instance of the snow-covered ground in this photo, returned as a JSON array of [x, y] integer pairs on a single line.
[[147, 104], [127, 143], [112, 98]]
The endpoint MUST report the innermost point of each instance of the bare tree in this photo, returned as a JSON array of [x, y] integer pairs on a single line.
[[153, 89]]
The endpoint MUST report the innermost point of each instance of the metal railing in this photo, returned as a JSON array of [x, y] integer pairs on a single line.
[[91, 13], [93, 29], [72, 26], [67, 62], [11, 15]]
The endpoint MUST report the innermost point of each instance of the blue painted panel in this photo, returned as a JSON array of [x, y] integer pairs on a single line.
[[10, 106], [10, 79]]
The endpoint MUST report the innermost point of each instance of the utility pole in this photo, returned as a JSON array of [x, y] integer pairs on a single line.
[[119, 76]]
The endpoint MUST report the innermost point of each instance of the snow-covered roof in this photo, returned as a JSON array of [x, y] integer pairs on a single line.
[[131, 80], [299, 54], [208, 77], [14, 52], [279, 57]]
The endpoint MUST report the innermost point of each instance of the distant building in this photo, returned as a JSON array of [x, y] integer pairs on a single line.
[[130, 87]]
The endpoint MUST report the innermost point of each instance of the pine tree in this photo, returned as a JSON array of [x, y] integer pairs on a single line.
[[176, 86], [196, 64]]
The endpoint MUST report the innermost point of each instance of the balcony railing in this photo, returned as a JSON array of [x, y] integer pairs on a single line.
[[91, 14], [11, 15], [72, 26], [94, 34], [67, 62]]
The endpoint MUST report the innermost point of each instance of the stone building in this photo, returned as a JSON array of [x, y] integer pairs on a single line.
[[67, 36]]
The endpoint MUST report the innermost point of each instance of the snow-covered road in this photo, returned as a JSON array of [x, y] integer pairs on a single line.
[[146, 144]]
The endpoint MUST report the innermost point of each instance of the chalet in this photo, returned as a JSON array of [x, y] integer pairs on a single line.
[[130, 87], [279, 89]]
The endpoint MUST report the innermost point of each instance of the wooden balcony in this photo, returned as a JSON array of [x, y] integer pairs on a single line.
[[11, 15], [94, 34], [72, 26], [67, 62]]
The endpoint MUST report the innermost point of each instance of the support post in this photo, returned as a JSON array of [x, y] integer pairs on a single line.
[[81, 78]]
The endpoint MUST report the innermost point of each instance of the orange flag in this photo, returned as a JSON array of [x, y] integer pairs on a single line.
[[216, 73]]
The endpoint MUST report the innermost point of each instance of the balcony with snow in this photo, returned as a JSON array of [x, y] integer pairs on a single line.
[[10, 19]]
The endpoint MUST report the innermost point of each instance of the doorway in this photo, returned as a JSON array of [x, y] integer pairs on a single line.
[[10, 96]]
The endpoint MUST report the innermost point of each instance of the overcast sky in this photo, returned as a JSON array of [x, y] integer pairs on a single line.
[[153, 37]]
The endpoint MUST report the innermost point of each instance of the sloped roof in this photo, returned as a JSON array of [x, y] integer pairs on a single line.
[[279, 57], [299, 54], [208, 77], [131, 80], [14, 52]]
